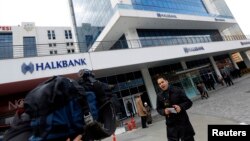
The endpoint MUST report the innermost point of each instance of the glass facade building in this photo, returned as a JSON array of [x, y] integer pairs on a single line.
[[181, 26], [92, 16]]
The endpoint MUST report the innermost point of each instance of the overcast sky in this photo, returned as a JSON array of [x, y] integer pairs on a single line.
[[56, 12]]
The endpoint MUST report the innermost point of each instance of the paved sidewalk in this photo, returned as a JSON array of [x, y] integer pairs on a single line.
[[226, 105], [157, 131]]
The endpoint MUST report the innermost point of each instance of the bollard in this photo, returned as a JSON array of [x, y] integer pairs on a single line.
[[129, 126], [113, 137], [133, 123]]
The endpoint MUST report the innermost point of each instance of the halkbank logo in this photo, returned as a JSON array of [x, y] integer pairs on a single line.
[[27, 68], [193, 49], [43, 66]]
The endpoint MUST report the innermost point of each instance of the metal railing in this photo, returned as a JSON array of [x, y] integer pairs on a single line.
[[159, 41], [20, 51]]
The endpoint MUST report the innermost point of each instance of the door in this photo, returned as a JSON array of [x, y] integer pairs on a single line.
[[132, 101]]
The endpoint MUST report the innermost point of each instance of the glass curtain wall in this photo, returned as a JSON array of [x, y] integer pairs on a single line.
[[225, 64], [158, 37], [193, 7], [126, 86], [178, 77], [183, 81], [222, 8], [206, 73], [6, 45], [91, 16]]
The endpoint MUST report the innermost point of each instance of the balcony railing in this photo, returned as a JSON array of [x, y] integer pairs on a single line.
[[19, 51], [160, 41]]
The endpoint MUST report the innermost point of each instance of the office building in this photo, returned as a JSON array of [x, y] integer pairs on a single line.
[[188, 40], [28, 40]]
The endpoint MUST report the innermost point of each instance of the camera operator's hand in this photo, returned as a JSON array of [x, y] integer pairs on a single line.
[[78, 138]]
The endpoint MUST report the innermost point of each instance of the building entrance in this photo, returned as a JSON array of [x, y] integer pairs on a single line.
[[188, 79], [126, 87], [129, 105]]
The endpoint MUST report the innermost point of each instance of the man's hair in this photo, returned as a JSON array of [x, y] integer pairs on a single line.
[[159, 76], [137, 96]]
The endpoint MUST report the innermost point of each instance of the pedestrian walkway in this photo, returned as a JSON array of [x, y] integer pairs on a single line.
[[157, 131], [197, 102], [226, 105]]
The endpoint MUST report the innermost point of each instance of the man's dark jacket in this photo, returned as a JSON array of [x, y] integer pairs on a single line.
[[175, 96]]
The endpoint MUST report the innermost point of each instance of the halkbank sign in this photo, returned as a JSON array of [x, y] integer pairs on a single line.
[[43, 66]]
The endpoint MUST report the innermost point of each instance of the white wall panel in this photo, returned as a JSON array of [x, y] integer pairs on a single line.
[[11, 69]]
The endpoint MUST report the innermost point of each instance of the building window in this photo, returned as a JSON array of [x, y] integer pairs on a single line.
[[71, 51], [193, 7], [53, 52], [51, 34], [6, 45], [29, 46], [69, 44], [155, 37], [52, 44], [127, 85], [68, 34]]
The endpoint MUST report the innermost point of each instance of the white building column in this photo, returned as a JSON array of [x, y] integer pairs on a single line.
[[245, 58], [132, 38], [216, 69], [234, 63], [149, 86]]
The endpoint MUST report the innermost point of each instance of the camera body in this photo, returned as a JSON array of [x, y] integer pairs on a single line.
[[87, 75]]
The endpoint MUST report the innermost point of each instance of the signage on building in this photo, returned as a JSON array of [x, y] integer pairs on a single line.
[[10, 104], [28, 26], [5, 28], [219, 19], [164, 15], [193, 49], [245, 43], [236, 57], [43, 66]]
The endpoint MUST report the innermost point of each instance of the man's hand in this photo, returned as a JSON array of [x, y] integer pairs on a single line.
[[177, 108], [78, 138], [167, 112]]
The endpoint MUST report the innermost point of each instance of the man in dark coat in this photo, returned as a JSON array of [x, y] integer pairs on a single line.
[[177, 120], [130, 108]]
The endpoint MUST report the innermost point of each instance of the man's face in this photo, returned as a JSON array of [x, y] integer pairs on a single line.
[[162, 83]]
